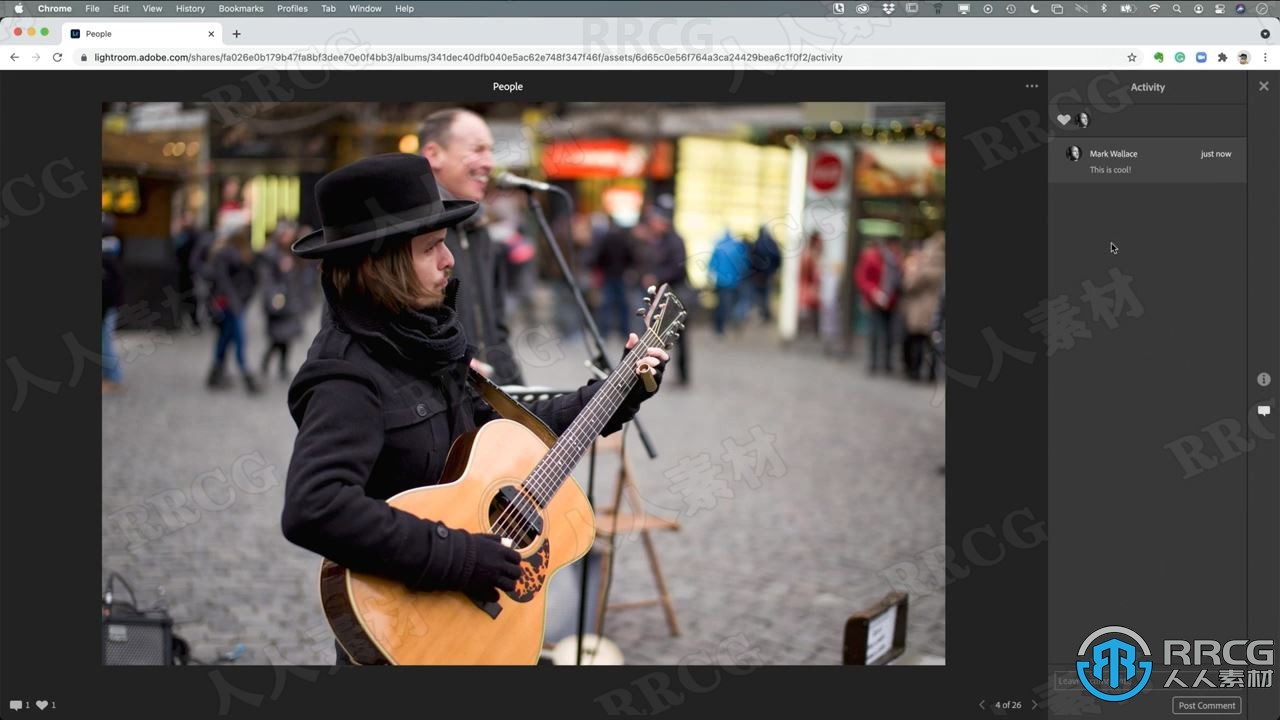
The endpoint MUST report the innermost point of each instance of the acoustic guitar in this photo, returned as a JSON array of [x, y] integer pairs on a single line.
[[500, 478]]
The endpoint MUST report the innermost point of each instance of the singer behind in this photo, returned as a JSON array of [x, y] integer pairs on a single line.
[[384, 390], [459, 146]]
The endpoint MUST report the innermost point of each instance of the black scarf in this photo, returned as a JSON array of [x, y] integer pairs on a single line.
[[421, 341], [428, 343]]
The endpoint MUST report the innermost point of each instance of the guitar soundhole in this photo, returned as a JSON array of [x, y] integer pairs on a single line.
[[514, 515]]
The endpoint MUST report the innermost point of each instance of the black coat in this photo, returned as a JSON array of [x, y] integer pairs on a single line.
[[234, 280], [112, 283], [283, 296], [613, 255], [669, 260], [482, 300], [368, 430]]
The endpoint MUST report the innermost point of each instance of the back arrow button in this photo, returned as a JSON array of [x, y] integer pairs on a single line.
[[13, 56]]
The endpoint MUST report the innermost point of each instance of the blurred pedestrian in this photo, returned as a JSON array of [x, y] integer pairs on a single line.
[[283, 296], [810, 299], [766, 260], [665, 261], [459, 146], [112, 296], [186, 238], [878, 277], [728, 267], [613, 259], [232, 281], [922, 276], [202, 273]]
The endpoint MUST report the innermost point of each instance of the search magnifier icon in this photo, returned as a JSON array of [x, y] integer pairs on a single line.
[[1177, 8]]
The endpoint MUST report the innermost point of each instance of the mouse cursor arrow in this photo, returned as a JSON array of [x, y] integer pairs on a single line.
[[1114, 249]]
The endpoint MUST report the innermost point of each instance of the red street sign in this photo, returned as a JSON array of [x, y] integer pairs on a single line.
[[826, 172]]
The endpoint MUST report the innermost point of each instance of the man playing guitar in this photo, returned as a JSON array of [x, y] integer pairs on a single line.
[[384, 391]]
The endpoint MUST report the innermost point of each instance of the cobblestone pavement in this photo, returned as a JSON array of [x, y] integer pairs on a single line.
[[798, 481]]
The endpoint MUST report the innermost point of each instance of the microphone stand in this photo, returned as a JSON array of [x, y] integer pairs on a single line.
[[601, 367]]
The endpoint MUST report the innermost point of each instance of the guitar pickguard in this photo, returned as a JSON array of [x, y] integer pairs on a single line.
[[533, 574]]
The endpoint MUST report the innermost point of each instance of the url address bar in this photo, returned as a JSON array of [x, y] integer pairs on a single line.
[[762, 58]]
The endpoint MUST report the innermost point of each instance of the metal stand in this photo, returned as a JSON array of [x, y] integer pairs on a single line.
[[601, 367]]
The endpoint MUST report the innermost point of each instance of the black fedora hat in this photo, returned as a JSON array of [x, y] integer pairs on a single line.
[[387, 196]]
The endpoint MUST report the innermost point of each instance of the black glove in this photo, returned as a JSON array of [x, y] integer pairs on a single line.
[[638, 393], [497, 568], [631, 403]]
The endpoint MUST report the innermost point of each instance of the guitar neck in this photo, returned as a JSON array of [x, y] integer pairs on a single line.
[[551, 471]]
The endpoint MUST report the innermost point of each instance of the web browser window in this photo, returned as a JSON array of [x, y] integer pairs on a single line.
[[902, 359]]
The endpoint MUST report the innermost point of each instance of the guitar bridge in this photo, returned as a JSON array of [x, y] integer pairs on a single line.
[[492, 609]]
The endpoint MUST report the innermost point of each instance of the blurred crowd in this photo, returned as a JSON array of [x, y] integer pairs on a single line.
[[904, 292], [219, 277]]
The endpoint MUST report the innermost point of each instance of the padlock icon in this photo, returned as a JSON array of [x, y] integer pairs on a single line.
[[84, 57]]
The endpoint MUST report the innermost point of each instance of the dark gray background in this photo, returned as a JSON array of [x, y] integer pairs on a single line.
[[1135, 543]]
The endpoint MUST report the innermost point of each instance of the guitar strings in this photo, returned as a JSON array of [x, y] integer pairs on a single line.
[[541, 488], [509, 521], [541, 483]]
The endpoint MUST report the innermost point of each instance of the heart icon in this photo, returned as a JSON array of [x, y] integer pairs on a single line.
[[42, 704], [1064, 119]]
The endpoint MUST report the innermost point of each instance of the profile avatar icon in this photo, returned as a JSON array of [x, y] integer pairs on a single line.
[[1083, 120], [1243, 57], [1073, 153]]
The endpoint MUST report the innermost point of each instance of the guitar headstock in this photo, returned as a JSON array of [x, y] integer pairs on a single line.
[[663, 314]]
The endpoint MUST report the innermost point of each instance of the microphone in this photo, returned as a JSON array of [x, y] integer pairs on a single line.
[[506, 180]]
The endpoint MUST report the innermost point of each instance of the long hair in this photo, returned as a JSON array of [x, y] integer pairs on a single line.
[[385, 277]]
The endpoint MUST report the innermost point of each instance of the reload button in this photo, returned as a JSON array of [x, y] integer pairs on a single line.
[[1208, 705]]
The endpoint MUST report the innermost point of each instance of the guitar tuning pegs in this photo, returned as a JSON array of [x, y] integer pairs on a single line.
[[640, 312], [648, 301], [652, 290]]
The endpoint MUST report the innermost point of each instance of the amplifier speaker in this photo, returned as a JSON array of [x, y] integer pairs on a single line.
[[130, 637]]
